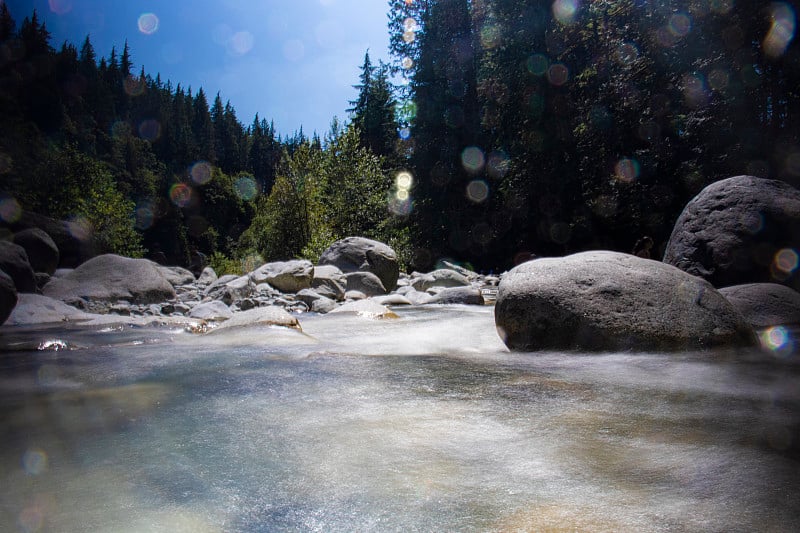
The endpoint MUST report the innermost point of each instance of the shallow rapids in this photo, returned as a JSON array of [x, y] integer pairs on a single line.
[[421, 423]]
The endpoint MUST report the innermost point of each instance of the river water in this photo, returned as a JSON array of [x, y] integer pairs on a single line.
[[421, 423]]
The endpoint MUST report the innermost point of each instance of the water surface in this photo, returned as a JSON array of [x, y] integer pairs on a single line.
[[423, 423]]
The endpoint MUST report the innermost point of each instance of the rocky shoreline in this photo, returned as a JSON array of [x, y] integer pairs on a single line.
[[736, 229]]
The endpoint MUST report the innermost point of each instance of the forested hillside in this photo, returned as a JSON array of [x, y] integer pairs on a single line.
[[503, 129]]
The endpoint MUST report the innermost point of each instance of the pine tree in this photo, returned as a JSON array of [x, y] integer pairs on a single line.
[[373, 110]]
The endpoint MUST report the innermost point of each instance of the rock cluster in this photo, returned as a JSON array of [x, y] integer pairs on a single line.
[[139, 288]]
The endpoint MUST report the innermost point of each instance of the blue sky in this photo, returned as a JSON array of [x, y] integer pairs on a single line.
[[292, 62]]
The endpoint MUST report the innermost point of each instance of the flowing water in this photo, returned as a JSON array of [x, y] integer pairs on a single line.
[[422, 423]]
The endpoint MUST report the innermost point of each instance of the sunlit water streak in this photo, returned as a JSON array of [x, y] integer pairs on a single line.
[[424, 423]]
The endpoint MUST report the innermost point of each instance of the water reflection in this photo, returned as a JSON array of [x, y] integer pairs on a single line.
[[418, 424]]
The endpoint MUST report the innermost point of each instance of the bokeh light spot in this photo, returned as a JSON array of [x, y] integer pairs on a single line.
[[200, 172], [558, 74], [537, 64], [150, 129], [626, 53], [245, 188], [782, 31], [718, 79], [134, 85], [694, 90], [777, 339], [80, 227], [180, 194], [560, 233], [34, 462], [679, 25], [144, 216], [404, 133], [565, 10], [477, 191], [498, 163], [626, 170], [10, 210], [407, 63], [60, 7], [786, 260], [472, 159], [404, 181], [401, 207], [148, 23], [241, 43]]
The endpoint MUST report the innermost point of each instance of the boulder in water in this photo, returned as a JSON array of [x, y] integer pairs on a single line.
[[8, 296], [14, 262], [357, 254], [33, 309], [765, 304], [270, 315], [602, 301], [444, 277], [286, 276], [329, 281], [212, 311], [458, 295], [110, 278], [365, 308], [365, 282], [735, 230], [42, 251]]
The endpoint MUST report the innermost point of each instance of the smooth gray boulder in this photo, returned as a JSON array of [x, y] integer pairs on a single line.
[[286, 276], [458, 295], [765, 304], [8, 296], [74, 239], [176, 275], [444, 277], [271, 315], [211, 311], [329, 281], [358, 254], [33, 309], [365, 282], [600, 301], [207, 276], [14, 262], [109, 278], [42, 252], [731, 232]]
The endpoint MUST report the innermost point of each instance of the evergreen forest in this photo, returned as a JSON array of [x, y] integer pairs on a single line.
[[500, 130]]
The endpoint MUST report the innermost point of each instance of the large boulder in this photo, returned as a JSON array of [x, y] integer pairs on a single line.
[[286, 276], [176, 275], [444, 277], [765, 304], [357, 254], [8, 296], [14, 262], [734, 230], [329, 281], [270, 315], [74, 238], [214, 310], [459, 295], [110, 278], [42, 251], [364, 282], [34, 309], [602, 301]]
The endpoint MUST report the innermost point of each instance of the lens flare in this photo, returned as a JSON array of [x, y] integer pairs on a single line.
[[404, 181], [80, 227], [679, 25], [148, 23], [144, 216], [10, 210], [404, 133], [150, 129], [537, 64], [626, 170], [134, 85], [565, 10], [60, 7], [245, 188], [400, 207], [180, 194], [477, 191], [558, 74], [34, 462], [407, 63], [782, 31], [786, 260], [497, 164], [241, 43], [626, 53], [472, 159], [200, 172], [777, 339]]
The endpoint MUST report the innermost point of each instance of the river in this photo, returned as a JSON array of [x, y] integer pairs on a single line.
[[421, 423]]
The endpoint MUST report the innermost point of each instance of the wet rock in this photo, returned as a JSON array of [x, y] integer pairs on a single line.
[[323, 305], [357, 254], [612, 301], [439, 278], [42, 251], [108, 278], [34, 309], [417, 297], [458, 295], [364, 282], [260, 316], [286, 276], [354, 295], [8, 296], [14, 262], [211, 311], [391, 299], [733, 229], [469, 274], [365, 308], [207, 276], [176, 275], [329, 281], [765, 304]]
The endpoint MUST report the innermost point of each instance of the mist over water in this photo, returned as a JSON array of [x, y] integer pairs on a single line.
[[423, 423]]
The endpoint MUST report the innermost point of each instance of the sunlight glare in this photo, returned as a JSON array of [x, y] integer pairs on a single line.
[[777, 339], [241, 43], [150, 129], [679, 25], [537, 64], [472, 159], [626, 170], [200, 172], [786, 260], [245, 188], [144, 216], [564, 10], [60, 7], [180, 194], [148, 23], [477, 191], [558, 74]]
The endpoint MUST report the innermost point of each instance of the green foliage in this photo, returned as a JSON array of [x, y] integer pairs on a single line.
[[223, 265]]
